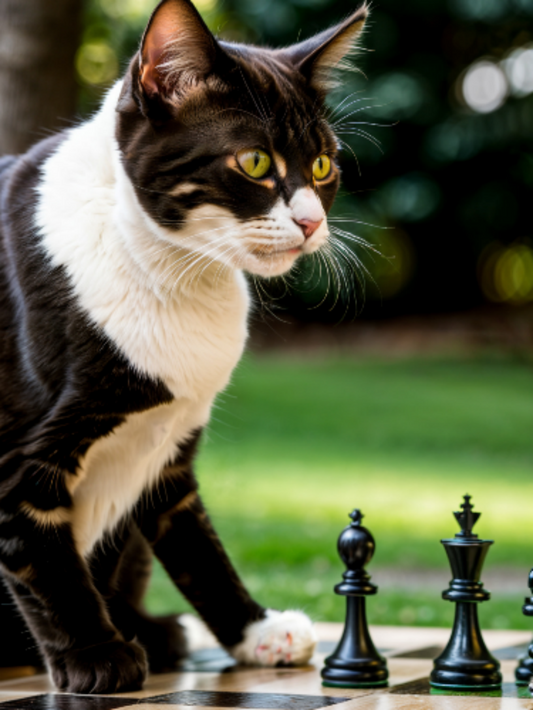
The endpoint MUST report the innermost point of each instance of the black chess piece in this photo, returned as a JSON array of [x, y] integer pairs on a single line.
[[466, 663], [524, 671], [355, 662]]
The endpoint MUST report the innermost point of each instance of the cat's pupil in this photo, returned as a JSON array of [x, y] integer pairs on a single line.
[[320, 164], [257, 158]]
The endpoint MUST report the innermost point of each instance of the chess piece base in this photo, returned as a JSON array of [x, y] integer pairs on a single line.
[[355, 663], [352, 684], [524, 671], [473, 688], [466, 663]]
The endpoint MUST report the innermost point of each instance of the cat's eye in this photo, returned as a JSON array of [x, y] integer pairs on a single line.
[[321, 167], [255, 163]]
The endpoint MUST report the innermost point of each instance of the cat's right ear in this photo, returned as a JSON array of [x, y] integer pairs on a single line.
[[177, 54]]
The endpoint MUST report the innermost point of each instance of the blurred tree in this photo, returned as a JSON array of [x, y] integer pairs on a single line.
[[38, 41]]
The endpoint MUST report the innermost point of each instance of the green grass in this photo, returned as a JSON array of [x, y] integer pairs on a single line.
[[295, 444]]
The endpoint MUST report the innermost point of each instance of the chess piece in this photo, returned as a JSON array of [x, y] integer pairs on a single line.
[[524, 671], [355, 663], [466, 663]]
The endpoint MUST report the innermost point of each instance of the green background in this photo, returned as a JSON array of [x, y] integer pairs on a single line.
[[297, 442]]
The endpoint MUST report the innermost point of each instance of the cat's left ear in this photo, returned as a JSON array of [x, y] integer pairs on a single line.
[[316, 58], [177, 54]]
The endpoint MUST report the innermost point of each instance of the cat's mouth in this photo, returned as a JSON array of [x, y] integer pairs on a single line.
[[272, 261], [270, 251]]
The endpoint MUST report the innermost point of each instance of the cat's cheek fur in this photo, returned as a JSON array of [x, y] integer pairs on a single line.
[[281, 638]]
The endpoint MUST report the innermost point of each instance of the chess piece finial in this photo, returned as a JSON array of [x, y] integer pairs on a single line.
[[524, 671], [466, 663], [355, 663], [356, 516], [467, 518]]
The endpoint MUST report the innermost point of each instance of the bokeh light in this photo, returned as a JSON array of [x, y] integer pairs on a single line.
[[505, 273], [484, 86], [96, 63], [409, 198], [519, 70], [396, 95], [484, 10]]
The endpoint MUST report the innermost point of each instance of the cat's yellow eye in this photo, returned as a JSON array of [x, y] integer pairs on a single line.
[[321, 167], [255, 163]]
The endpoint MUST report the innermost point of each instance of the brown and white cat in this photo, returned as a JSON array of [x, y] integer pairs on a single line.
[[123, 311]]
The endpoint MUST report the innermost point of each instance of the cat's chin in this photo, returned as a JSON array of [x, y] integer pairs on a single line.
[[272, 264]]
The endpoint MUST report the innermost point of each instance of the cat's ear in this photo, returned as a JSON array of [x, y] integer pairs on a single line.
[[177, 53], [317, 58]]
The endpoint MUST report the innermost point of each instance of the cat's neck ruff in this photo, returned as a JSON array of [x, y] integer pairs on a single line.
[[176, 315]]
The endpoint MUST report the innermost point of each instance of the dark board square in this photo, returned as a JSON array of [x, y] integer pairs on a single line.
[[413, 687], [257, 701], [426, 652], [422, 687], [60, 701]]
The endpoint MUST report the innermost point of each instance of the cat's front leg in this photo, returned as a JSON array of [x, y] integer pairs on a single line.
[[55, 592], [189, 548]]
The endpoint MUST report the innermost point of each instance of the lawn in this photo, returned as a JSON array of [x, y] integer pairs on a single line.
[[296, 443]]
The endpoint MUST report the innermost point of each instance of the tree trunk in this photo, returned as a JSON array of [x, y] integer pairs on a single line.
[[38, 90]]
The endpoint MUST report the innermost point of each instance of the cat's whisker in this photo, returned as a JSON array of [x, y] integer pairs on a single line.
[[201, 254], [333, 111], [347, 145], [366, 136], [219, 259], [356, 239], [342, 119], [188, 256], [357, 221], [360, 132], [370, 123]]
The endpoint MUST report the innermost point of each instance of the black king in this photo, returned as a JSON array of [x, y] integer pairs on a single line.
[[466, 663]]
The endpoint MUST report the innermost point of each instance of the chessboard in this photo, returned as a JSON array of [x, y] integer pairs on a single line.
[[211, 679]]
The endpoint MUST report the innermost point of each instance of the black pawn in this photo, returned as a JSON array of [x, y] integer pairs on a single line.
[[466, 663], [355, 662], [524, 671]]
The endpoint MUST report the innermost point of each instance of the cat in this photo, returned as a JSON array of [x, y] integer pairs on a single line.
[[123, 312]]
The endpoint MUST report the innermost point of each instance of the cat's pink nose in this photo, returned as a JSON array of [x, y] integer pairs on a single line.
[[308, 226]]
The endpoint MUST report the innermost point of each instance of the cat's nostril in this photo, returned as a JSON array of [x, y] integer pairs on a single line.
[[308, 226]]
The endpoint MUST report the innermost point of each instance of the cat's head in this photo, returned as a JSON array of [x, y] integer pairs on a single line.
[[226, 144]]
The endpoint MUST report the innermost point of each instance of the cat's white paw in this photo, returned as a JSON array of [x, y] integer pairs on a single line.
[[282, 637], [197, 634]]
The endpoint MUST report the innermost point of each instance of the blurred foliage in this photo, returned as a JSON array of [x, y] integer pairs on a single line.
[[438, 138]]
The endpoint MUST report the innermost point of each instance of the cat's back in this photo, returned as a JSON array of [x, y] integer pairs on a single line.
[[32, 295]]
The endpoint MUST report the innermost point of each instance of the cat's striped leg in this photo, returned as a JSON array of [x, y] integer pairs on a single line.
[[54, 589], [121, 569], [189, 548]]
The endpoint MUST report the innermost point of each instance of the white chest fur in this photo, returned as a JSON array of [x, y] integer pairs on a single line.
[[119, 467], [191, 337]]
